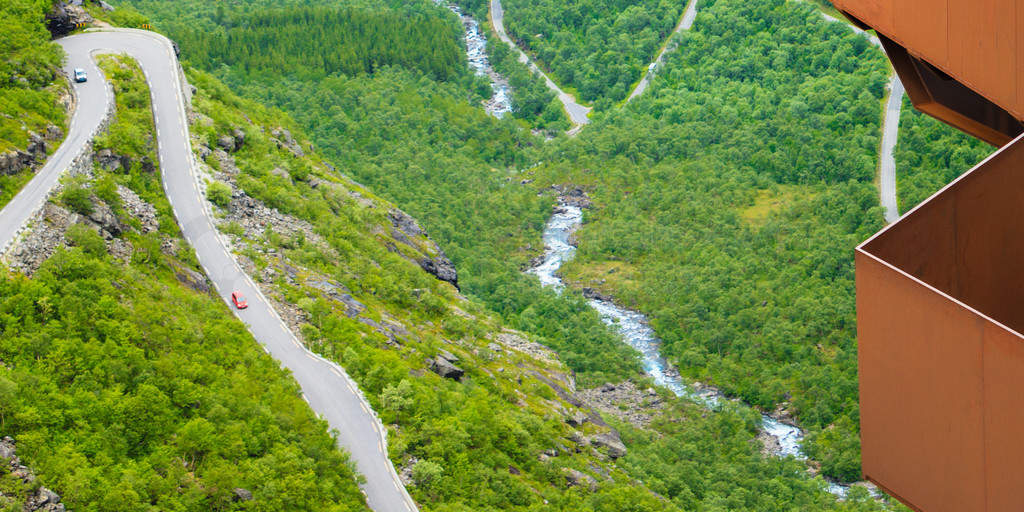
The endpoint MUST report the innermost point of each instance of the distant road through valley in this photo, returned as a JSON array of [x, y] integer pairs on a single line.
[[685, 22], [890, 132], [577, 113], [324, 384]]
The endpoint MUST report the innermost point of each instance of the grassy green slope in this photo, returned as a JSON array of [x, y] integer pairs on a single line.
[[128, 390], [30, 87]]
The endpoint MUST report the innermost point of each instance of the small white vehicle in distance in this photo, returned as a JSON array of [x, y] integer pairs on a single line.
[[80, 75]]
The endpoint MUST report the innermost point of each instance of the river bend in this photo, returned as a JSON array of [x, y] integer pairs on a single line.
[[638, 334]]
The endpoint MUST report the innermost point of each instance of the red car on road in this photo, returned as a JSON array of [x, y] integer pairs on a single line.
[[239, 300]]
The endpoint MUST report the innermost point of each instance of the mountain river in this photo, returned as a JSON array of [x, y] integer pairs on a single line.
[[636, 332], [476, 49]]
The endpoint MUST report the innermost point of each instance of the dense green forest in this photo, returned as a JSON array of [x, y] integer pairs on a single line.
[[311, 43], [126, 389], [736, 190], [929, 155], [600, 48], [532, 101], [481, 438], [727, 204], [732, 196]]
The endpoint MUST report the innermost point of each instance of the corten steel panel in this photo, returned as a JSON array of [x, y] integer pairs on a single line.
[[922, 25], [1019, 53], [991, 60], [941, 358], [968, 240], [1004, 418], [974, 41], [920, 392]]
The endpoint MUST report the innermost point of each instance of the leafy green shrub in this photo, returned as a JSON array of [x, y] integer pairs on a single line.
[[77, 199], [232, 228], [218, 193], [106, 189], [85, 237]]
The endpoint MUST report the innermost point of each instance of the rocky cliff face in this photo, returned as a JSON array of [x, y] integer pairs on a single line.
[[432, 258]]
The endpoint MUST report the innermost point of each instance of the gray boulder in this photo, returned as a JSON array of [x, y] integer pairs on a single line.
[[577, 419], [242, 494], [106, 220], [63, 18], [111, 161], [14, 162], [575, 478], [239, 136], [227, 143], [445, 369], [45, 496], [612, 442], [448, 356], [7, 448]]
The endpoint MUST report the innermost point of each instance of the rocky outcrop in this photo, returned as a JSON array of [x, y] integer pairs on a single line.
[[283, 139], [433, 260], [41, 500], [103, 220], [241, 494], [770, 444], [339, 293], [136, 207], [191, 278], [14, 162], [574, 478], [592, 293], [50, 224], [783, 415], [233, 142], [625, 401], [64, 18], [33, 156], [113, 162], [573, 195], [611, 442], [442, 365]]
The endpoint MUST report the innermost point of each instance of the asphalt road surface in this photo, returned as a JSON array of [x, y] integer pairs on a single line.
[[324, 384], [890, 132], [685, 22], [84, 121], [887, 165], [577, 113]]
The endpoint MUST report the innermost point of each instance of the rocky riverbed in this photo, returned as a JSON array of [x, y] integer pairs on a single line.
[[476, 49]]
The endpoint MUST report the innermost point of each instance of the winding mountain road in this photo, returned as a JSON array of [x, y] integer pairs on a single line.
[[325, 385], [577, 113], [685, 22]]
